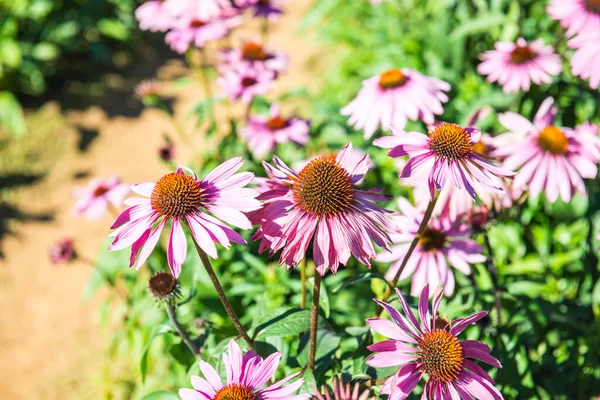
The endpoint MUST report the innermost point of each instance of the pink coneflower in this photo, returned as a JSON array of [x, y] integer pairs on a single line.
[[190, 31], [269, 9], [444, 242], [253, 53], [431, 347], [576, 15], [516, 65], [94, 200], [264, 133], [246, 375], [183, 199], [393, 98], [321, 202], [446, 154], [344, 392], [243, 83], [588, 134], [204, 10], [586, 60], [455, 202], [548, 157], [62, 252], [166, 151], [154, 16]]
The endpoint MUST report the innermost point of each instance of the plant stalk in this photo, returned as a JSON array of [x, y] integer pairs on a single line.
[[180, 330], [411, 249], [314, 319], [303, 280], [215, 280]]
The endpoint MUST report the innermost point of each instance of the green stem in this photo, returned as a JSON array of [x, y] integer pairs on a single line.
[[494, 276], [226, 304], [180, 330], [413, 246], [314, 319]]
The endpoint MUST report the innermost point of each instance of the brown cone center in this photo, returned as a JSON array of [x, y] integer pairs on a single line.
[[323, 188], [441, 355], [522, 54], [392, 78], [253, 52], [176, 195], [276, 123], [235, 392], [196, 23], [100, 190], [162, 284], [593, 6], [248, 81], [450, 141], [432, 239], [552, 140]]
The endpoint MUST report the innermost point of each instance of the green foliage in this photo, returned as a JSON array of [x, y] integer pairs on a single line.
[[45, 39]]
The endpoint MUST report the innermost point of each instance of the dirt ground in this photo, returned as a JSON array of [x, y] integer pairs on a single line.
[[51, 345]]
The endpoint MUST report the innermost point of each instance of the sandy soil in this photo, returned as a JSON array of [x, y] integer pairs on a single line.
[[51, 345]]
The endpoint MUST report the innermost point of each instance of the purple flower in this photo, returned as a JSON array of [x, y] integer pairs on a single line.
[[516, 65], [94, 200], [431, 347], [253, 53], [154, 16], [446, 154], [586, 60], [243, 82], [321, 202], [269, 9], [394, 97], [184, 199], [246, 375], [62, 252], [264, 133], [548, 158], [444, 242], [191, 31], [576, 15]]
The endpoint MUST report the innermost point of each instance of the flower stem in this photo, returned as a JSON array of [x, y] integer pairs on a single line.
[[303, 280], [224, 300], [180, 330], [413, 246], [314, 319], [494, 276]]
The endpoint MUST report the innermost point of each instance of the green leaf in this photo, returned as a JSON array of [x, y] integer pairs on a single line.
[[45, 51], [284, 322], [477, 25], [158, 331], [113, 28], [10, 53], [365, 276], [327, 342], [161, 395], [11, 113]]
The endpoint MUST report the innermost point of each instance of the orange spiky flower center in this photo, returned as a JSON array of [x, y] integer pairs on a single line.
[[553, 140], [441, 355], [235, 392], [254, 52], [522, 54], [450, 141], [480, 148], [176, 195], [277, 123], [432, 239], [323, 188], [593, 6], [392, 78]]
